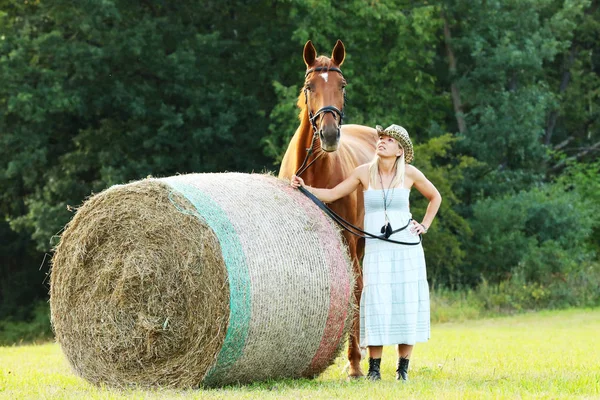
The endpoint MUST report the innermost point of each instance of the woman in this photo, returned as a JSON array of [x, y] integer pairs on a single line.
[[394, 306]]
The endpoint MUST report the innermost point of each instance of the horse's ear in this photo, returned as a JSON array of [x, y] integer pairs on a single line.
[[310, 54], [339, 53]]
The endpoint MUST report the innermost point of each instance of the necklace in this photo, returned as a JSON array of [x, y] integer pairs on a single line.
[[386, 229]]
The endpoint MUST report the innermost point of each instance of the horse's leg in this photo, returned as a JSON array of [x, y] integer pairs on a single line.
[[354, 355]]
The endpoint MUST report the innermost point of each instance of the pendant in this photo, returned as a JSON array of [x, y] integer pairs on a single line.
[[386, 230]]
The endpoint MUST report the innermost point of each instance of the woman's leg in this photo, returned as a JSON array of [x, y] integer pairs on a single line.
[[375, 351], [405, 350]]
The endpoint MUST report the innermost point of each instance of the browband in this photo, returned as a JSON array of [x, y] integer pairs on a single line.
[[317, 69]]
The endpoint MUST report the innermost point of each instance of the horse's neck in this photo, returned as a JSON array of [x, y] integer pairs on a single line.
[[323, 172]]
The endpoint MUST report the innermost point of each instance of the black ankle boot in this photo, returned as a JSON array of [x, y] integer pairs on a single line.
[[402, 370], [374, 374]]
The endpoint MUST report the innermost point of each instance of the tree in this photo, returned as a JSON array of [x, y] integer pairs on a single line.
[[104, 92], [502, 49], [572, 125]]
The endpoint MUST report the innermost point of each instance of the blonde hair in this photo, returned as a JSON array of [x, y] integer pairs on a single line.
[[400, 171]]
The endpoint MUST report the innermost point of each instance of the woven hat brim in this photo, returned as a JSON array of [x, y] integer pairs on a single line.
[[408, 149], [403, 141]]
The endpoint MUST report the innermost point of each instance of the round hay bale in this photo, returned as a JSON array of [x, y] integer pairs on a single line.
[[200, 279]]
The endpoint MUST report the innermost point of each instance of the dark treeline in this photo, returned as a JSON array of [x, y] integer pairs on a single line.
[[501, 98]]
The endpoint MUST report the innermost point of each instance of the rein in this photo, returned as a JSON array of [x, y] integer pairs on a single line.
[[353, 229]]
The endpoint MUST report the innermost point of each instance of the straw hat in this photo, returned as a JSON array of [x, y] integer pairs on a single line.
[[400, 134]]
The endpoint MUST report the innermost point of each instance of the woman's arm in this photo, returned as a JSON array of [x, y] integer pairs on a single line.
[[427, 189], [344, 188]]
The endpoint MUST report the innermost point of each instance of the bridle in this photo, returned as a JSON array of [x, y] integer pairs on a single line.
[[326, 109], [356, 231], [321, 112]]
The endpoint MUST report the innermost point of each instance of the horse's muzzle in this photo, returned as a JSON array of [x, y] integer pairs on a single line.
[[330, 138]]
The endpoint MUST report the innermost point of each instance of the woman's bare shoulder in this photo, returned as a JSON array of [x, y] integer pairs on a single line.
[[413, 172], [363, 170], [362, 173], [411, 169]]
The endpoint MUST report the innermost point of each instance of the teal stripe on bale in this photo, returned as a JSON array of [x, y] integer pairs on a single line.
[[238, 275], [288, 268]]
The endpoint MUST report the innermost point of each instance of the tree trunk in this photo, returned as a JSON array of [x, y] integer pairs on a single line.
[[566, 77], [563, 87], [456, 101]]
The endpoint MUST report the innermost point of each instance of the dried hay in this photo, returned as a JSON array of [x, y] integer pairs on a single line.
[[200, 279]]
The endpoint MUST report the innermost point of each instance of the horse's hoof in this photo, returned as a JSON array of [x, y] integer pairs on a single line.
[[355, 373]]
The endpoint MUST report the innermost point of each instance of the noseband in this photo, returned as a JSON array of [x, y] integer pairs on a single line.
[[326, 109]]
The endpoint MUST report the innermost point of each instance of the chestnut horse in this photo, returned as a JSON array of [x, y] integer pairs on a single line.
[[336, 151]]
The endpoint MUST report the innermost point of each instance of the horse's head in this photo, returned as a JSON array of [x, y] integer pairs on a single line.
[[324, 93]]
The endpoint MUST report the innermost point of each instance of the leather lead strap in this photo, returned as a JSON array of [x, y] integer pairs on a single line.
[[356, 231]]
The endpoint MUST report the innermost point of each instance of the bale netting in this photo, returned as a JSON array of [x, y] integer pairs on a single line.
[[200, 280]]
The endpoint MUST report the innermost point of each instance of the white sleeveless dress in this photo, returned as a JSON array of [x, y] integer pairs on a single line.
[[394, 306]]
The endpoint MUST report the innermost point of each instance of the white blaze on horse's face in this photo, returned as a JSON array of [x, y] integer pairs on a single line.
[[325, 103], [322, 96]]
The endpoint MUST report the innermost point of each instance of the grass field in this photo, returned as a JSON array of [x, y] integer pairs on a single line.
[[549, 355]]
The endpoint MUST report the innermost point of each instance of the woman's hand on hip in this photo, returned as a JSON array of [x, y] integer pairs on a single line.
[[417, 228]]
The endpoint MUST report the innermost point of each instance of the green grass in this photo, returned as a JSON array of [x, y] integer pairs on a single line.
[[549, 355]]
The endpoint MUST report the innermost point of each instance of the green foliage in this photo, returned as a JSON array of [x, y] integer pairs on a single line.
[[575, 78], [104, 92], [442, 243], [540, 235], [34, 329], [284, 121], [583, 180], [505, 85], [95, 96], [577, 287], [22, 274]]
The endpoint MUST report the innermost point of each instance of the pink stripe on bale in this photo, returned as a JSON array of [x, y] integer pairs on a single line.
[[339, 294]]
